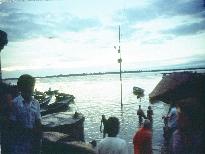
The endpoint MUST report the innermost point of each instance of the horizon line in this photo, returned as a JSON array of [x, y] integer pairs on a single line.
[[111, 72]]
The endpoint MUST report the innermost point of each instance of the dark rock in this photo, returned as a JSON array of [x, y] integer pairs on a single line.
[[56, 143], [64, 122]]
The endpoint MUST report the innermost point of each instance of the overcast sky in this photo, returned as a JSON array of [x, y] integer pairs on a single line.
[[66, 36]]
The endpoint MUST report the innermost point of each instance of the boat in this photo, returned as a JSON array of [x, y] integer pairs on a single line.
[[40, 96], [63, 96], [51, 92], [138, 91], [45, 102], [57, 106]]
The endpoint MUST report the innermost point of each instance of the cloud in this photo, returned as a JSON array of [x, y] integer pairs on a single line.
[[188, 29], [172, 14], [176, 7], [21, 25], [161, 8]]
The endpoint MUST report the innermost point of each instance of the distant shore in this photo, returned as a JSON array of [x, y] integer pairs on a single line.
[[102, 73]]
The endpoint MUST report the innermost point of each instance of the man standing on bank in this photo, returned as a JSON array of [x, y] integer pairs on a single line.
[[26, 118]]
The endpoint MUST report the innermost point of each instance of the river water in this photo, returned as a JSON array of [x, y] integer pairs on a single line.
[[100, 94]]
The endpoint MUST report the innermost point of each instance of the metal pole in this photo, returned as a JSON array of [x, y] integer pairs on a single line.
[[120, 61]]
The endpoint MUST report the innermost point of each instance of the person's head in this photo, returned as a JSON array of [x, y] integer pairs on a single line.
[[3, 39], [139, 106], [149, 107], [103, 116], [26, 85], [113, 126], [147, 124]]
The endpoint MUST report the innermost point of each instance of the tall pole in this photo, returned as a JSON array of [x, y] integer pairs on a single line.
[[120, 61]]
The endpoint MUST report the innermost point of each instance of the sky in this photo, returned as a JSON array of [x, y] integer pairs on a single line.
[[50, 37]]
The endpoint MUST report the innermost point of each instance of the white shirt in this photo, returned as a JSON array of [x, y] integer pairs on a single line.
[[25, 113], [172, 121], [112, 145]]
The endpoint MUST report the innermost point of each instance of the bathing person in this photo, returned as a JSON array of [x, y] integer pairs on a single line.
[[112, 144], [149, 114], [140, 114], [104, 124]]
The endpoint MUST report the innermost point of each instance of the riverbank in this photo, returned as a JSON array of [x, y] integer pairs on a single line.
[[112, 73]]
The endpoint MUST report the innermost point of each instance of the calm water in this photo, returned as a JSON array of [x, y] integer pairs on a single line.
[[100, 94]]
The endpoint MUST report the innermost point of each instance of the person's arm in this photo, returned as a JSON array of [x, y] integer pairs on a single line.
[[101, 126], [38, 126], [170, 113], [37, 133]]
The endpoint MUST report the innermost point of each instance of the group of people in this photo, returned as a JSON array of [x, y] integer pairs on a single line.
[[142, 140], [142, 115], [182, 131]]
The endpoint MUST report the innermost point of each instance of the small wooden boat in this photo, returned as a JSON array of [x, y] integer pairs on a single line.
[[40, 96], [138, 91], [63, 96], [51, 92], [58, 106], [55, 107], [45, 102]]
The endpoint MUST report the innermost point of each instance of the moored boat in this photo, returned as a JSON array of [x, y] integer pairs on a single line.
[[138, 91], [45, 102], [57, 106]]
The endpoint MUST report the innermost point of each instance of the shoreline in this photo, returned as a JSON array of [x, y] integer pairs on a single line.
[[123, 72]]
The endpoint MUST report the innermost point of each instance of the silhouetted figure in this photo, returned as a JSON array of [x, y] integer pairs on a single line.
[[170, 123], [7, 92], [104, 124], [150, 114], [141, 115], [112, 144], [26, 118], [142, 140], [3, 42], [189, 135], [6, 134]]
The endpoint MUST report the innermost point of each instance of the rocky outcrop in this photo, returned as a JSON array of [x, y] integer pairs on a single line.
[[59, 143], [65, 122]]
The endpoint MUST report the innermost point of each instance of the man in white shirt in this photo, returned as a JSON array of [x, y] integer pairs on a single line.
[[112, 144], [26, 118]]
